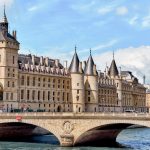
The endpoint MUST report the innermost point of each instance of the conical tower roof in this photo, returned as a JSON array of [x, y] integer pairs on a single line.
[[89, 66], [113, 70], [4, 19], [74, 66]]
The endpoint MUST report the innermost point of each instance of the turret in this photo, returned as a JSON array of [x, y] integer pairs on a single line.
[[91, 85], [113, 70], [77, 83], [9, 47]]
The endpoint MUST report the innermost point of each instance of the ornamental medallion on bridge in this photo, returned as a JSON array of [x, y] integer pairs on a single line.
[[67, 127]]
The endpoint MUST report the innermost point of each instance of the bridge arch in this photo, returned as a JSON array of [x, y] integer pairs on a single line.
[[43, 124], [104, 131]]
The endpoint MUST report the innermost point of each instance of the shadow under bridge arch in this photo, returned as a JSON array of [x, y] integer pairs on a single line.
[[26, 132], [104, 135]]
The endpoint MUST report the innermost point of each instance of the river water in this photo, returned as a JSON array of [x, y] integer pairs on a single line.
[[130, 139]]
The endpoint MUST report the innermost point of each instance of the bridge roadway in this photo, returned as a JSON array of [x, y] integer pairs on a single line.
[[73, 129]]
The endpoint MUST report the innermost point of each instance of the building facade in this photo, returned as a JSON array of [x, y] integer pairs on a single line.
[[29, 82]]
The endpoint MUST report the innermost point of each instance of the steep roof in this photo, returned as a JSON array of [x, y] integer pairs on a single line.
[[113, 71], [74, 66], [89, 66]]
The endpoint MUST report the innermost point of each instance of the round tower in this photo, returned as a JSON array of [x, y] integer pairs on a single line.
[[91, 86], [77, 83]]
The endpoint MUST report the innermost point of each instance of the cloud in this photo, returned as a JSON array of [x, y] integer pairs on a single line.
[[7, 3], [105, 10], [133, 20], [132, 59], [33, 8], [101, 46], [146, 21], [83, 7], [122, 10]]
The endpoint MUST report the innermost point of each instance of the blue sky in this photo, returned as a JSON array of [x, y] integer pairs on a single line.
[[53, 27]]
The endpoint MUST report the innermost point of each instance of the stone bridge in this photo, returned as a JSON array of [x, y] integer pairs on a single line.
[[80, 128]]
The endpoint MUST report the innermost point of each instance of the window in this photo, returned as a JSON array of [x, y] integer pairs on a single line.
[[0, 58], [28, 94], [77, 91], [22, 80], [33, 81], [43, 95], [13, 59], [77, 84], [8, 84], [63, 96], [67, 96], [38, 95], [11, 96], [7, 96], [89, 99], [13, 84], [89, 93], [48, 95], [28, 81], [22, 94], [33, 95]]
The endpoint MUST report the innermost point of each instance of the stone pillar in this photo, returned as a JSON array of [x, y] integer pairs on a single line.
[[67, 138]]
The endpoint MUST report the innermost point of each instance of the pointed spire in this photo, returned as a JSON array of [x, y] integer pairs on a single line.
[[113, 70], [113, 55], [89, 66], [75, 48], [74, 66], [4, 16]]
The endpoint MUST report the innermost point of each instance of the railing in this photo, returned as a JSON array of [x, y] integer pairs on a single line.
[[81, 115]]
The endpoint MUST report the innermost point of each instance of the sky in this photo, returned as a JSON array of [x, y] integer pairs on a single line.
[[53, 28]]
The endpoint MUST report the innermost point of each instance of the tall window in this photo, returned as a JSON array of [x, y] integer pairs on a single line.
[[48, 95], [0, 58], [8, 84], [13, 59], [22, 80], [11, 96], [38, 95], [67, 96], [28, 94], [22, 94], [7, 96], [13, 84], [33, 81], [33, 95], [43, 95], [28, 81]]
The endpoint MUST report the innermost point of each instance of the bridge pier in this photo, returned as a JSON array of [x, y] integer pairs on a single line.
[[67, 140]]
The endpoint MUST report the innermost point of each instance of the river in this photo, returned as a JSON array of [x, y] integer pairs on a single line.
[[130, 139]]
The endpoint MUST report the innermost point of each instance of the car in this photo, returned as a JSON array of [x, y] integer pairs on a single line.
[[130, 111]]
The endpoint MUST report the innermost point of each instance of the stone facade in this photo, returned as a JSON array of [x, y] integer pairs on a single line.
[[29, 82]]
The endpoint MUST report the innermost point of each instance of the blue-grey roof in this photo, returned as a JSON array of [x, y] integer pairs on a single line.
[[74, 66], [89, 66]]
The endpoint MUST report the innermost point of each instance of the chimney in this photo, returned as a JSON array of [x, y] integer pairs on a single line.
[[84, 65], [14, 34], [120, 71], [65, 64], [80, 67], [46, 61], [144, 79], [94, 70], [41, 60], [57, 62], [33, 59]]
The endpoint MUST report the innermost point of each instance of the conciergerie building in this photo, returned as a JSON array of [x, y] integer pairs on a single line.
[[29, 82]]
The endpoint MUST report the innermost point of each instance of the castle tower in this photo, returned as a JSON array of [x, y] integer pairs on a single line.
[[9, 47], [91, 86], [77, 83], [114, 75]]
